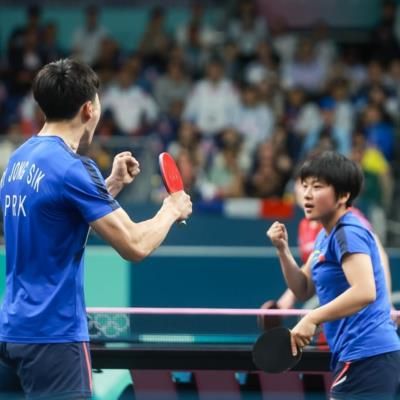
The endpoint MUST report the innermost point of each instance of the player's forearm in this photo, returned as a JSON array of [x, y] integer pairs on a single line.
[[114, 186], [295, 279], [348, 303], [151, 233]]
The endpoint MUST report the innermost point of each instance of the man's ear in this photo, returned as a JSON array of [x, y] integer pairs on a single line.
[[87, 110]]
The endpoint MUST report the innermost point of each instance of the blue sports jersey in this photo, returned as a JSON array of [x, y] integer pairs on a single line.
[[370, 331], [48, 196]]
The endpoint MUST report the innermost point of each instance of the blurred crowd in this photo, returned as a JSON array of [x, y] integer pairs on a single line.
[[239, 104]]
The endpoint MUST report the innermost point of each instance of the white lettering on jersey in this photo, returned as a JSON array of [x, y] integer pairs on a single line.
[[15, 205]]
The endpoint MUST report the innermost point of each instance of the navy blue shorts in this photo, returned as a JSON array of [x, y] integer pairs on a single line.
[[45, 371], [375, 378]]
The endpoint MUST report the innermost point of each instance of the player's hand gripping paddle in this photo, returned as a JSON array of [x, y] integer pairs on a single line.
[[272, 351], [170, 175]]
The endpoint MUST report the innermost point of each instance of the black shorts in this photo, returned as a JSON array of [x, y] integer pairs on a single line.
[[45, 371], [375, 378]]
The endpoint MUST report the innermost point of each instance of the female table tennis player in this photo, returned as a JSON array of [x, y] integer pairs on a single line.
[[306, 235], [345, 272]]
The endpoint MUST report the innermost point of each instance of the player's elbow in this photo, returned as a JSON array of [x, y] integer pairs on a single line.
[[367, 296], [370, 297], [135, 253]]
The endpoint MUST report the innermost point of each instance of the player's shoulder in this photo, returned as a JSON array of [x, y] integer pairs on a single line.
[[351, 226], [80, 167]]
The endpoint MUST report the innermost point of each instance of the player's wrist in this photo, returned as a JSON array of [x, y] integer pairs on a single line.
[[313, 318], [171, 209], [282, 249]]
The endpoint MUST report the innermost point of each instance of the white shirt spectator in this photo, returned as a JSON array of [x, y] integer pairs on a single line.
[[255, 124], [211, 106], [130, 106], [344, 116], [86, 43], [310, 76], [285, 45], [247, 39], [208, 36], [308, 120]]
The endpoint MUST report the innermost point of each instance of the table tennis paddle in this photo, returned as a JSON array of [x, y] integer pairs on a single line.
[[170, 175], [272, 351]]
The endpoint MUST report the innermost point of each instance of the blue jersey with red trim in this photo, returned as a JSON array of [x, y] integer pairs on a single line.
[[48, 197], [370, 331]]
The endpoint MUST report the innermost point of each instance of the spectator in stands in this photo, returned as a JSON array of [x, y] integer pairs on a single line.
[[87, 38], [3, 107], [17, 39], [108, 60], [247, 29], [325, 47], [230, 60], [254, 120], [50, 49], [300, 117], [376, 195], [306, 70], [208, 35], [375, 77], [213, 101], [195, 55], [169, 123], [225, 173], [270, 173], [30, 116], [339, 136], [155, 41], [283, 41], [350, 67], [282, 142], [383, 37], [172, 87], [339, 92], [378, 131], [264, 65], [188, 140], [25, 58], [272, 95], [384, 98], [133, 110], [393, 77]]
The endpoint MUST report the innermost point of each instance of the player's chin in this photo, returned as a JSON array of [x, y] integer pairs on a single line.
[[311, 215]]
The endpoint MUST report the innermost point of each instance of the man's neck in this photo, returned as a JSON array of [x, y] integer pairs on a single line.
[[65, 130]]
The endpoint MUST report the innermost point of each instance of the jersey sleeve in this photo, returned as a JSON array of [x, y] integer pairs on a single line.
[[85, 189], [349, 240]]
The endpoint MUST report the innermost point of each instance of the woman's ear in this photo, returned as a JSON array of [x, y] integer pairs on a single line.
[[344, 198]]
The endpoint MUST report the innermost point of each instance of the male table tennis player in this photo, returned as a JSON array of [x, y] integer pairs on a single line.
[[50, 195], [345, 272]]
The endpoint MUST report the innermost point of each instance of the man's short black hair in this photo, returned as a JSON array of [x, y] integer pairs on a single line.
[[337, 170], [62, 87]]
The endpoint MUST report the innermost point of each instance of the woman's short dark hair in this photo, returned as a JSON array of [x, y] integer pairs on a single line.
[[62, 87], [333, 168]]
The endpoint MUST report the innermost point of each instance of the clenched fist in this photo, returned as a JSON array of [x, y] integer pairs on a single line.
[[125, 168], [278, 235]]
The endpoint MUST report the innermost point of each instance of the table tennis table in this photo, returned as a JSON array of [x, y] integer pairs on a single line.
[[156, 351]]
